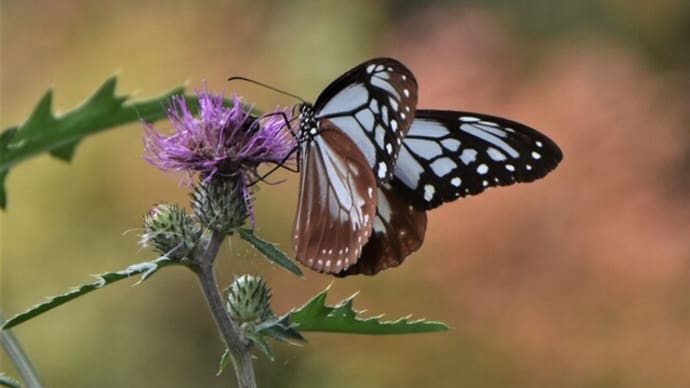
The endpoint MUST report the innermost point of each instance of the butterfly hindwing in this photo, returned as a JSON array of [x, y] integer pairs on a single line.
[[398, 231], [337, 202], [448, 154], [374, 104]]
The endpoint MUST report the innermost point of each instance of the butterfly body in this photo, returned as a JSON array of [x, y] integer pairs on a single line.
[[372, 164]]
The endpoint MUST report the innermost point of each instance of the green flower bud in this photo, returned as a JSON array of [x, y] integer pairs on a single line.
[[170, 231], [249, 300], [219, 203]]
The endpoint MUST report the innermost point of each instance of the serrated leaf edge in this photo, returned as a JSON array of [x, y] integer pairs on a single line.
[[146, 269]]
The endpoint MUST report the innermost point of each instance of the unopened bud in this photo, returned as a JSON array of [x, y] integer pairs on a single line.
[[170, 231], [249, 300]]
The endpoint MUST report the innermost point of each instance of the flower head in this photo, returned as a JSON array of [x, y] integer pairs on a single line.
[[221, 142]]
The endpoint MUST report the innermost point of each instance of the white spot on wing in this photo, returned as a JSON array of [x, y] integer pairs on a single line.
[[442, 166], [456, 181], [468, 156], [383, 170], [393, 103], [385, 85], [429, 192], [496, 154], [483, 134], [426, 149], [451, 144], [482, 169], [427, 128]]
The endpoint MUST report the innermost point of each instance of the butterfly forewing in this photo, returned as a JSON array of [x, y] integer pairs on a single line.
[[374, 104], [447, 155], [337, 202], [398, 231]]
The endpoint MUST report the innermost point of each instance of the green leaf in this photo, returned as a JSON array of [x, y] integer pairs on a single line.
[[146, 269], [270, 251], [261, 344], [280, 329], [6, 381], [224, 359], [342, 318], [3, 194], [44, 132], [64, 152]]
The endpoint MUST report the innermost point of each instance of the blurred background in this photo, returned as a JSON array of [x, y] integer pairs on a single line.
[[578, 280]]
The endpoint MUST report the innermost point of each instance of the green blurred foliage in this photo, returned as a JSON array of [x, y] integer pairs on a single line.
[[579, 280]]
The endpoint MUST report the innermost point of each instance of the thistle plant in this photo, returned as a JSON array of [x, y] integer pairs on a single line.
[[219, 150], [218, 145]]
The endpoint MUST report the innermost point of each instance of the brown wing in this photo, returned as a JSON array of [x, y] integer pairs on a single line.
[[398, 231], [337, 202]]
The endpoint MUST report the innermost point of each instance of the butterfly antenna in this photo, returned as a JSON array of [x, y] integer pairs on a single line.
[[266, 86]]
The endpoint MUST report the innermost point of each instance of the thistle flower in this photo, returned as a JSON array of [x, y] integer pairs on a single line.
[[220, 141]]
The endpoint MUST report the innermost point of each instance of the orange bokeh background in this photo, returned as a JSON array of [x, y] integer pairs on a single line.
[[581, 279]]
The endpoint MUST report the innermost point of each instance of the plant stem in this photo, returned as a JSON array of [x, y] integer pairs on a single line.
[[19, 359], [234, 340]]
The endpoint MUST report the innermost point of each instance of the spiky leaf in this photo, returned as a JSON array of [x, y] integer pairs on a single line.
[[270, 251], [343, 318], [59, 135], [7, 381], [146, 269], [280, 329]]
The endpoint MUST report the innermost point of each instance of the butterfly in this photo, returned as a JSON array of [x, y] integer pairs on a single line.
[[371, 165]]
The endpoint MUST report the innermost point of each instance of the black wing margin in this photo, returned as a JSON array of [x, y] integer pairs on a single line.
[[448, 154]]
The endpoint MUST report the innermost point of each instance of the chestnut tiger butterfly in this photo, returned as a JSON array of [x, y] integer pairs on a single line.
[[371, 165]]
